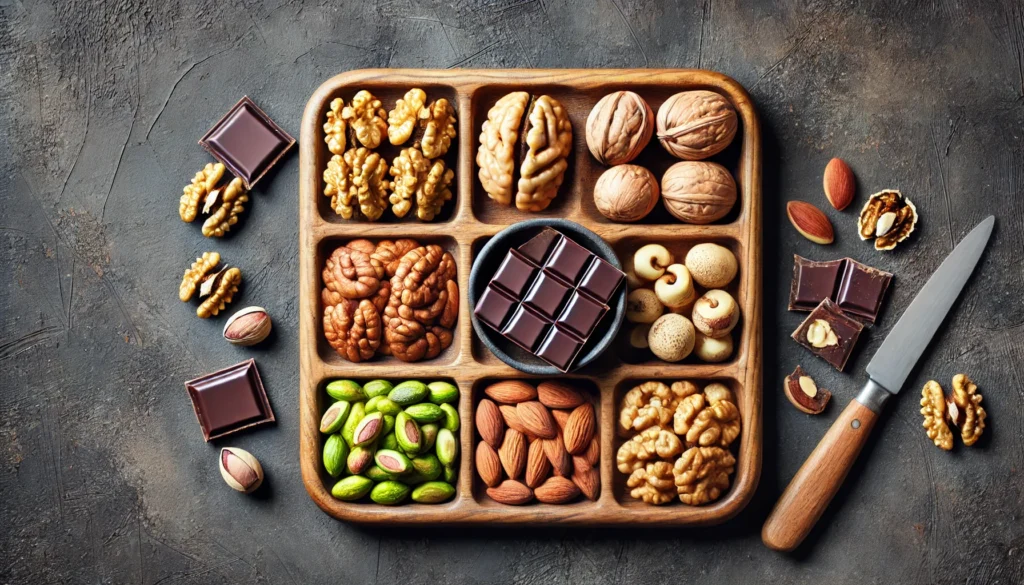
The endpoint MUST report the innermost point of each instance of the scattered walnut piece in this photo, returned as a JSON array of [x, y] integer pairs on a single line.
[[353, 329], [231, 204], [702, 474], [652, 443], [933, 407], [653, 483], [888, 218], [195, 192], [367, 118], [651, 404], [200, 268], [402, 119], [549, 139], [335, 128], [969, 415], [223, 292], [438, 123]]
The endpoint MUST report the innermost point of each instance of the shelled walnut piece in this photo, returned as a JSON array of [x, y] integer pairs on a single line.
[[335, 129], [968, 413], [402, 119], [216, 288], [702, 474], [419, 179], [653, 483], [366, 117], [423, 306], [525, 140], [888, 218], [203, 183], [229, 205], [651, 404], [357, 184], [438, 123], [933, 408]]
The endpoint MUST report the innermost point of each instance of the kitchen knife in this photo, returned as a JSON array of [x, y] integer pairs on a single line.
[[819, 478]]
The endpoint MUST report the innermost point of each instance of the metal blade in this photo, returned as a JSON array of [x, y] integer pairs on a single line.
[[906, 342]]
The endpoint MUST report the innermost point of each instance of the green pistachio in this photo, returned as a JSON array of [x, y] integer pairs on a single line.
[[352, 488], [447, 446], [389, 493], [450, 474], [451, 417], [371, 404], [408, 433], [392, 461], [377, 474], [359, 458], [388, 406], [408, 392], [425, 412], [413, 478], [389, 424], [334, 417], [345, 390], [433, 492], [429, 433], [428, 466], [368, 429], [390, 441], [377, 388], [354, 417], [442, 392], [335, 454]]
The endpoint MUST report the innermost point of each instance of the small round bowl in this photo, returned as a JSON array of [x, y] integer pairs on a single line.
[[488, 261]]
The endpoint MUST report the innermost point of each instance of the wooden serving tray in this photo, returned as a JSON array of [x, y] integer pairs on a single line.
[[467, 223]]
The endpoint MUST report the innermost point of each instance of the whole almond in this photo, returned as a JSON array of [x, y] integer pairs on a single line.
[[537, 465], [513, 453], [511, 391], [558, 395], [589, 482], [489, 423], [510, 492], [811, 222], [561, 461], [593, 452], [537, 419], [579, 429], [561, 417], [839, 183], [488, 466], [557, 490], [511, 418]]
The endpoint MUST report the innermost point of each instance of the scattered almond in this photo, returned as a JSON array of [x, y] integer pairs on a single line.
[[513, 453], [510, 492], [811, 222], [537, 465], [488, 466], [561, 462], [557, 490], [579, 429], [839, 183], [589, 482], [489, 423], [511, 392], [558, 395], [537, 420]]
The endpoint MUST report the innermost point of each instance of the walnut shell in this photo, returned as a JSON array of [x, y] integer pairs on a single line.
[[619, 127], [698, 192], [626, 193], [693, 125]]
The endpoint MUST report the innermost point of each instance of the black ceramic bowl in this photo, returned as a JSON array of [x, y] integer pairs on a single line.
[[487, 262]]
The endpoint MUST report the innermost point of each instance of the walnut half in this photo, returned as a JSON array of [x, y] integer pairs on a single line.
[[366, 116], [965, 409], [421, 180], [888, 218], [933, 408], [653, 483], [357, 184], [702, 474], [195, 192], [225, 286], [230, 204]]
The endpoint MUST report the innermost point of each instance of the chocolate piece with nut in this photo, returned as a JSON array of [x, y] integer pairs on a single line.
[[804, 394], [829, 334], [888, 218]]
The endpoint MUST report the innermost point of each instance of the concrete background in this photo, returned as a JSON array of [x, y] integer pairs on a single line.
[[105, 478]]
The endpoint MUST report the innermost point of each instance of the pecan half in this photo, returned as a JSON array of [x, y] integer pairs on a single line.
[[353, 329]]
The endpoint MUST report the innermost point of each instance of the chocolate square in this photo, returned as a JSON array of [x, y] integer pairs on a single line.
[[581, 315], [514, 275], [247, 141], [559, 349], [847, 331], [601, 280], [539, 246], [568, 260], [229, 400], [525, 328], [813, 281], [546, 295], [494, 307], [862, 290]]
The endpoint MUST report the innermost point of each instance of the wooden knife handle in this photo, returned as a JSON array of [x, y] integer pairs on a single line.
[[818, 479]]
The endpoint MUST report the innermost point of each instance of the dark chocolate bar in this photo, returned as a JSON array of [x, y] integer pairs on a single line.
[[856, 288], [230, 400], [548, 297], [247, 141], [829, 333]]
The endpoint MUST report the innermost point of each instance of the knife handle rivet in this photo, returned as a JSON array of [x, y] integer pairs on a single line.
[[856, 423]]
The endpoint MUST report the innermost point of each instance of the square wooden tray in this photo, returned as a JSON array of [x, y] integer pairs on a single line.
[[467, 223]]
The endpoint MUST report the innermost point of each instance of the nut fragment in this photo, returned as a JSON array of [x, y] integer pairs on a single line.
[[653, 484], [366, 116], [619, 127], [933, 408], [248, 326], [820, 334], [968, 403], [402, 119], [335, 128], [804, 394], [651, 444], [232, 203], [199, 269], [702, 474], [226, 286], [888, 218], [438, 123], [694, 125], [200, 187], [417, 178]]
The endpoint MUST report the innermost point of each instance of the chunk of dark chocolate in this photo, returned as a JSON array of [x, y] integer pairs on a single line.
[[525, 328], [813, 281], [829, 334], [547, 295], [247, 141], [539, 246], [581, 315], [559, 349], [862, 290], [601, 280], [494, 307], [568, 260], [514, 275], [230, 400]]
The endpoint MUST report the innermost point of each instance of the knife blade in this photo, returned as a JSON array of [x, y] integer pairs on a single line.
[[819, 478]]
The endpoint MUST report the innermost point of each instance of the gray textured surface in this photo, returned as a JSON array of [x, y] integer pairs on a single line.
[[104, 476]]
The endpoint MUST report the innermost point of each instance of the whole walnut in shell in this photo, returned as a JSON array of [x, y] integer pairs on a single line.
[[626, 193], [693, 125], [698, 192], [619, 127]]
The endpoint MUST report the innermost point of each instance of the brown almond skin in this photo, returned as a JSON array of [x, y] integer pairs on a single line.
[[488, 465], [561, 417], [510, 492], [538, 468], [511, 392], [839, 183], [537, 420], [579, 429], [593, 452], [803, 402], [557, 490], [511, 417], [513, 453], [561, 461], [558, 395], [811, 222], [589, 482], [489, 423]]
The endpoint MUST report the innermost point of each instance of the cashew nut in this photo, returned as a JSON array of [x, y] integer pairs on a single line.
[[675, 287], [716, 313], [643, 306], [650, 261]]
